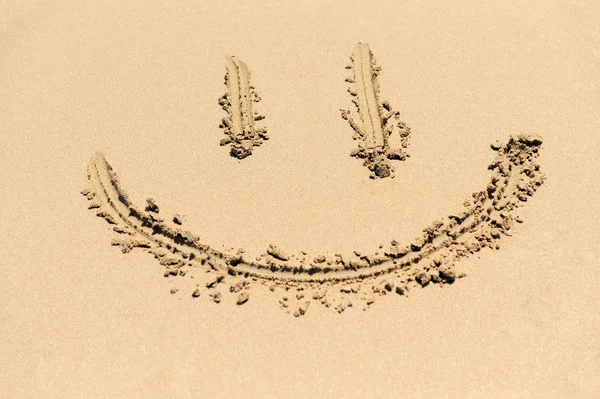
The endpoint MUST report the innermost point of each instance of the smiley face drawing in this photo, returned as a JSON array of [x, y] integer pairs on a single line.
[[332, 280]]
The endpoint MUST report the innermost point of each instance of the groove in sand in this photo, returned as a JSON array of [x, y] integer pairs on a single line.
[[377, 121], [331, 280], [239, 124]]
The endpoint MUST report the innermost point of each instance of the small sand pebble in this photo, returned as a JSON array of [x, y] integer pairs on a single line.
[[277, 253], [423, 279], [301, 311], [216, 297], [319, 259], [212, 283], [151, 206], [496, 145], [243, 298], [240, 285]]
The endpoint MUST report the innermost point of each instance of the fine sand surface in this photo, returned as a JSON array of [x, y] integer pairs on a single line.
[[218, 233]]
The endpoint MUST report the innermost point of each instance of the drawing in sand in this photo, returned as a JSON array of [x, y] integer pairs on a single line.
[[332, 280], [239, 125], [374, 121]]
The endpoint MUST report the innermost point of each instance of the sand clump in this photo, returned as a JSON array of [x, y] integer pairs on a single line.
[[243, 298], [331, 280], [215, 296]]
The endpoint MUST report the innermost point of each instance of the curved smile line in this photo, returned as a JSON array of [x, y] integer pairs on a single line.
[[430, 258]]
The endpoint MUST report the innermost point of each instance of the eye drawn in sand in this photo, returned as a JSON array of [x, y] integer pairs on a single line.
[[374, 121], [331, 280], [239, 125]]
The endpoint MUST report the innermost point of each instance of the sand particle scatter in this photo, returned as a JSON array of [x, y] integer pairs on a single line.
[[239, 125], [373, 121], [331, 280], [303, 199]]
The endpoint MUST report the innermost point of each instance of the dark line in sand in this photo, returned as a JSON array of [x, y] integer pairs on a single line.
[[331, 279]]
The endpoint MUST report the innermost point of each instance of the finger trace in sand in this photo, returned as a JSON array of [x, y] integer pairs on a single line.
[[239, 125], [376, 120], [332, 280]]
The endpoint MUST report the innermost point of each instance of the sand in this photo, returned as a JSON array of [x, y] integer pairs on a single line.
[[335, 281], [239, 124], [375, 123], [299, 270]]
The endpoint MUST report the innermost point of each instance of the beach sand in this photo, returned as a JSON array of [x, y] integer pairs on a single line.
[[140, 85]]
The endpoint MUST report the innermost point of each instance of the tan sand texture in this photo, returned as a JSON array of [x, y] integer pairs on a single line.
[[329, 278], [139, 82], [377, 120], [239, 124]]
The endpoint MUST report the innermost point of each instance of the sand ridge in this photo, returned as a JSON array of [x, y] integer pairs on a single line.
[[377, 121], [329, 279], [239, 124]]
